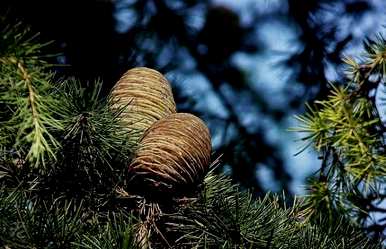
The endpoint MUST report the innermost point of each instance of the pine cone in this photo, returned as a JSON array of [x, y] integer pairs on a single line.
[[146, 96], [174, 151]]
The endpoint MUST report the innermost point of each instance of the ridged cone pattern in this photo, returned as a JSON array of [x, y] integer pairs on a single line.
[[175, 150], [146, 96]]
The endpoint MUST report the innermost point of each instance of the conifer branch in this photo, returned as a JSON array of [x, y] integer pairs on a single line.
[[346, 128], [27, 98]]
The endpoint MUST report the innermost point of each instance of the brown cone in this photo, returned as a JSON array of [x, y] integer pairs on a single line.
[[174, 151], [146, 96]]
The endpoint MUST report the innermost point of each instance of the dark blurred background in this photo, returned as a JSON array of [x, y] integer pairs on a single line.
[[245, 67]]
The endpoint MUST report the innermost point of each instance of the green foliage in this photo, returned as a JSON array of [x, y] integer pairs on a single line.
[[63, 154], [27, 223], [30, 223], [91, 129], [346, 130], [92, 156], [60, 136], [222, 217], [115, 232], [95, 149], [322, 235], [27, 100], [225, 217], [19, 43]]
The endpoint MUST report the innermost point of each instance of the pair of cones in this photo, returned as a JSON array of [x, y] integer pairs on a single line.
[[173, 148]]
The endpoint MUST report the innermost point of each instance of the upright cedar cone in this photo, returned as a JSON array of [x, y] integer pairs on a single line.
[[146, 96], [174, 151]]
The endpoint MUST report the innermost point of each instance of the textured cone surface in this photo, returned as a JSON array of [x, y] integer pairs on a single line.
[[142, 236], [174, 151], [145, 96]]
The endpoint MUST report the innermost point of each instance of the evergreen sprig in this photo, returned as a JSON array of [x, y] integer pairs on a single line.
[[28, 104], [346, 129]]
